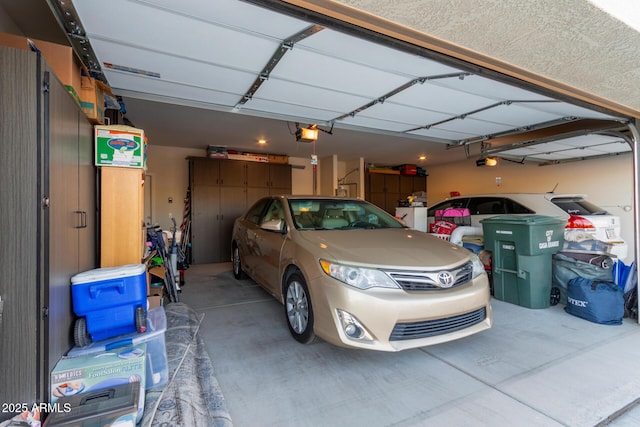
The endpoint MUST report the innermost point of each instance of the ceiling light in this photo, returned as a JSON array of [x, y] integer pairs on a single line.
[[262, 141], [306, 134], [487, 161], [422, 158]]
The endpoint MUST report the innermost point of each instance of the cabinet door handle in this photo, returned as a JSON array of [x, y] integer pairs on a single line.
[[82, 217], [78, 219]]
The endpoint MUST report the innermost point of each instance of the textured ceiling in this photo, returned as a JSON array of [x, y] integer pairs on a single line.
[[570, 41]]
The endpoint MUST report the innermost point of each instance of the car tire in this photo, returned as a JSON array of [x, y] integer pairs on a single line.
[[298, 309], [238, 272]]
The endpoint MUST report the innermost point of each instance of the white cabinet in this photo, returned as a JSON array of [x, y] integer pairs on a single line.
[[415, 217]]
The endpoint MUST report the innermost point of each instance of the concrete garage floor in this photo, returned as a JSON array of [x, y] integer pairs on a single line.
[[533, 368]]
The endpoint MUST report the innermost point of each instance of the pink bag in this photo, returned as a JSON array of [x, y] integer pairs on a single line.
[[452, 212], [459, 216]]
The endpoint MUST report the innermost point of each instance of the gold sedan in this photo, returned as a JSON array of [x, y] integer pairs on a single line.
[[350, 273]]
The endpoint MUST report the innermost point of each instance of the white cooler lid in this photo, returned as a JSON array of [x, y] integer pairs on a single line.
[[106, 273]]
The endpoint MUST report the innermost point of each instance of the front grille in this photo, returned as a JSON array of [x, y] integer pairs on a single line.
[[428, 280], [431, 328]]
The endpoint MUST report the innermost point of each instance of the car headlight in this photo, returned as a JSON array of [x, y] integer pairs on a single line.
[[358, 277], [478, 268]]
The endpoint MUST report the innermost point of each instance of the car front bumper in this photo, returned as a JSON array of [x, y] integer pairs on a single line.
[[396, 319]]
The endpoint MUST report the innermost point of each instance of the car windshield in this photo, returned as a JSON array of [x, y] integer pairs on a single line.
[[332, 214], [575, 206]]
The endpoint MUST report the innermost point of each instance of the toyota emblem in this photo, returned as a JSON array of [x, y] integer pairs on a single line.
[[445, 279]]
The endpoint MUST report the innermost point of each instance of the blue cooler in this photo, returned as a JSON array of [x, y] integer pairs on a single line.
[[109, 302]]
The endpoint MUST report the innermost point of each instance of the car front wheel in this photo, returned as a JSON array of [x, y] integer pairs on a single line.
[[238, 273], [298, 309]]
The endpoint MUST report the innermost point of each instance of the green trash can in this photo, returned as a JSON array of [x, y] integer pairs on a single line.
[[522, 248]]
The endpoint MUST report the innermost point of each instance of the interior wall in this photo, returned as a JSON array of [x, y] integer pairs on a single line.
[[608, 183], [350, 177], [170, 171], [329, 177]]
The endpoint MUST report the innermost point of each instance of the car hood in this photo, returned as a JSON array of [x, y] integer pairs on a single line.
[[391, 248]]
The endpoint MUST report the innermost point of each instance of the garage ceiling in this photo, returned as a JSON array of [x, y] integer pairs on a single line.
[[195, 73]]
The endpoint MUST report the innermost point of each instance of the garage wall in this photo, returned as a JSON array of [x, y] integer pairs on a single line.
[[607, 182], [170, 178]]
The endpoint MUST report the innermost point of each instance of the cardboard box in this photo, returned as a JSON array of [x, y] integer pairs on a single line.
[[385, 171], [155, 293], [119, 145], [248, 157], [278, 159], [155, 301], [110, 406], [75, 375], [216, 152], [92, 93], [62, 60]]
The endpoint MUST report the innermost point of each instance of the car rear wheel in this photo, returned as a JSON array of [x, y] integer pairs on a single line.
[[298, 309], [238, 273]]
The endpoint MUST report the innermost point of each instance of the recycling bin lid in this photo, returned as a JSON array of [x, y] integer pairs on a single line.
[[523, 219]]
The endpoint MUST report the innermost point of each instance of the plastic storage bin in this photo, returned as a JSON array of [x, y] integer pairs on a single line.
[[522, 247], [157, 368], [109, 302]]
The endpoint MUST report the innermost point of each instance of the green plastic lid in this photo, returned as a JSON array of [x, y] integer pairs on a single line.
[[523, 219]]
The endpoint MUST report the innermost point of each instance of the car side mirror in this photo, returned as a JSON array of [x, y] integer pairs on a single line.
[[276, 225]]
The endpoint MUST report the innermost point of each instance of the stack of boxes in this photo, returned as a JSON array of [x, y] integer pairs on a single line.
[[120, 350], [220, 152], [88, 92]]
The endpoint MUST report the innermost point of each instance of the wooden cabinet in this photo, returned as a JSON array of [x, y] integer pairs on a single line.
[[221, 191], [48, 210], [122, 232], [410, 184], [264, 179], [384, 190]]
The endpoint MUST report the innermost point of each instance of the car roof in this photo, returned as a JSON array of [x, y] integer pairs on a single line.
[[317, 197], [546, 195], [518, 196], [538, 202]]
